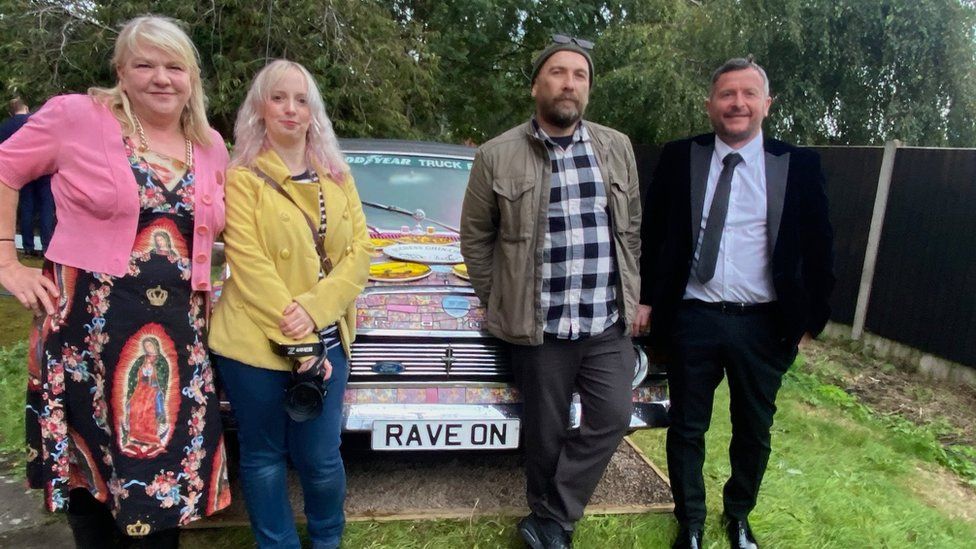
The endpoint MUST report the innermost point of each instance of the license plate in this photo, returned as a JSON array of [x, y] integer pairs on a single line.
[[464, 434]]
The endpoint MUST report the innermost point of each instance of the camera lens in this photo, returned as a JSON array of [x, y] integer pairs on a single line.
[[303, 400]]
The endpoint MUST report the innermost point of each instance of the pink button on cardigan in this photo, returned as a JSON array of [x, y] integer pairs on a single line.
[[80, 142]]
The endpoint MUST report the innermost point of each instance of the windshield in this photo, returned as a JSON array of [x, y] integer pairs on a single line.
[[434, 184]]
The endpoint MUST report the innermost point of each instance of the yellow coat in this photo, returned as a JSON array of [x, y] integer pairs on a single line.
[[273, 262]]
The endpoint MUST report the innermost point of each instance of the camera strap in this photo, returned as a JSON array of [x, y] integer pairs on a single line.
[[298, 350], [317, 239]]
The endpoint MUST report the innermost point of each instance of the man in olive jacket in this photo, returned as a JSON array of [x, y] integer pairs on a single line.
[[550, 232]]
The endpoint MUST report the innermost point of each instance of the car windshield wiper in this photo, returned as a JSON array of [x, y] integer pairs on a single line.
[[418, 215]]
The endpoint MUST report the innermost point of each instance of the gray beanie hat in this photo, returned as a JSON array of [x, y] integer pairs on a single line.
[[557, 47]]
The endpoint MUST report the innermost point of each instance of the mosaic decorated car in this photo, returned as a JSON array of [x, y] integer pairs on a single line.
[[424, 374]]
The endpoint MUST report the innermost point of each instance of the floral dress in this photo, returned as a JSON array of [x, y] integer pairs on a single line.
[[120, 396]]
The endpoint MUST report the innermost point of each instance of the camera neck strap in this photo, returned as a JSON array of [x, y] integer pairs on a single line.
[[317, 238]]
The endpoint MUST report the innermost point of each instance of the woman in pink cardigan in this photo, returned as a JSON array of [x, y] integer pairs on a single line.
[[122, 415]]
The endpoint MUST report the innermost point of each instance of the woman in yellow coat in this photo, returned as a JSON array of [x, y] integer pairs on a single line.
[[285, 320]]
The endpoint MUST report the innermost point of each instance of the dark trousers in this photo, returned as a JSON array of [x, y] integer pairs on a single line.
[[562, 469], [709, 344], [36, 198], [93, 527]]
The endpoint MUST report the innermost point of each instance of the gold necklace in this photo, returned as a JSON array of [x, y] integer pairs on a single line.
[[144, 143]]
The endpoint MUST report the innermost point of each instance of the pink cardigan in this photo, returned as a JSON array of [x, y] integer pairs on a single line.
[[80, 142]]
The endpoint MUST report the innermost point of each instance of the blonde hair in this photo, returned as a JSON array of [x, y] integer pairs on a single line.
[[250, 133], [164, 33]]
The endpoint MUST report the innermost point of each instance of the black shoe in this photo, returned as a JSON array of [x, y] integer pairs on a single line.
[[688, 539], [544, 533], [739, 533]]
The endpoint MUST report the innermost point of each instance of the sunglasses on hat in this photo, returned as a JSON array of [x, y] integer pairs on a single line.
[[563, 39]]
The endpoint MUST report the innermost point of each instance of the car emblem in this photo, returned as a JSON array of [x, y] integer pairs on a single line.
[[448, 358]]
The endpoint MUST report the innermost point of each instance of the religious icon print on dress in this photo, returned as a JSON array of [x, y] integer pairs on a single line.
[[156, 167], [65, 278], [146, 397], [161, 239], [219, 496], [83, 469], [167, 173], [35, 353]]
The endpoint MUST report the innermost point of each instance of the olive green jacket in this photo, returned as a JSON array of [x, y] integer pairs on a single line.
[[504, 222]]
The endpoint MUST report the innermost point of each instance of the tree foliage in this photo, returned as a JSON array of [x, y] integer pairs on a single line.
[[367, 65], [841, 71], [483, 50]]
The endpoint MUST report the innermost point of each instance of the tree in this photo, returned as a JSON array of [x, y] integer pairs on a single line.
[[650, 71], [841, 71], [366, 64], [482, 51]]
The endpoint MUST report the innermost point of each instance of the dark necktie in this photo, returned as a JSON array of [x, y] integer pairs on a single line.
[[716, 220]]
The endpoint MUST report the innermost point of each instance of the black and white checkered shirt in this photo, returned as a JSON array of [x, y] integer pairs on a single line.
[[579, 267]]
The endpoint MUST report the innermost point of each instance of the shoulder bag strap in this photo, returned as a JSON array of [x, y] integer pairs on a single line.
[[318, 239]]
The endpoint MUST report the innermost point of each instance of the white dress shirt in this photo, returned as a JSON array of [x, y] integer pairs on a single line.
[[742, 271]]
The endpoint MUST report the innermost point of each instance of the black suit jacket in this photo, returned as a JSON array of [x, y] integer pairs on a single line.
[[800, 235]]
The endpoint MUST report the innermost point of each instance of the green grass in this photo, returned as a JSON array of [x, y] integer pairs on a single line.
[[839, 476], [14, 326], [13, 384], [15, 321]]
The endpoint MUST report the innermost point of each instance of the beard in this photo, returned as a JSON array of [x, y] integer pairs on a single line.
[[560, 113]]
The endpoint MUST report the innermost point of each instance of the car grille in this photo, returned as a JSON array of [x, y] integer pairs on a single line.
[[423, 358]]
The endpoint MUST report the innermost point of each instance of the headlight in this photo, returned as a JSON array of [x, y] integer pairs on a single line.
[[640, 367]]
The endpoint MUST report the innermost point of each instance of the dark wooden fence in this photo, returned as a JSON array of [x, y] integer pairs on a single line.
[[924, 284]]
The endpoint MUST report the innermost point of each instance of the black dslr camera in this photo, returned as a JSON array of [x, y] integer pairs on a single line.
[[306, 392]]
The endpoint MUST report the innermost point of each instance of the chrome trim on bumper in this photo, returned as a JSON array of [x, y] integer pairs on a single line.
[[360, 417], [650, 415], [438, 358], [467, 334], [427, 384], [640, 369]]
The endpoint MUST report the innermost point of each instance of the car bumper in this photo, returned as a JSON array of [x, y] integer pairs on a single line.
[[360, 417], [364, 403]]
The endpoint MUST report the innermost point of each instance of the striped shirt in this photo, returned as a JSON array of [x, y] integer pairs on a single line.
[[329, 336], [579, 267]]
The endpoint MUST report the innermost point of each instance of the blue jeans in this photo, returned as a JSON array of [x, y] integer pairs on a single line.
[[268, 438]]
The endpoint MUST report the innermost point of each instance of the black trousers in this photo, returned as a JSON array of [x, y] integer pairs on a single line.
[[709, 344], [93, 527], [563, 469]]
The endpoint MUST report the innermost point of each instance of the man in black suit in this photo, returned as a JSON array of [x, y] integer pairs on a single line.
[[736, 271]]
